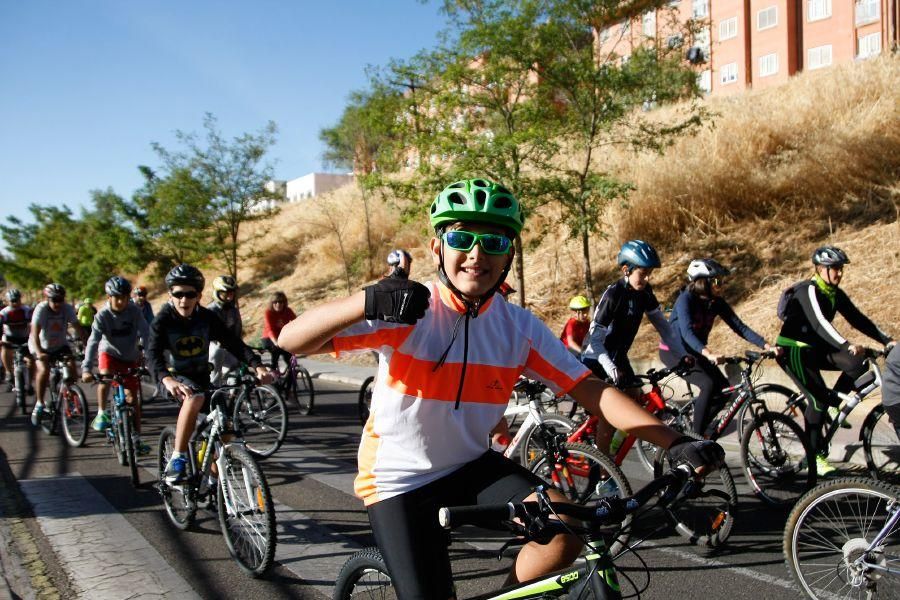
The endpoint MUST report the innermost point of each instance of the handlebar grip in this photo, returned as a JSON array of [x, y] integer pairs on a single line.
[[486, 516]]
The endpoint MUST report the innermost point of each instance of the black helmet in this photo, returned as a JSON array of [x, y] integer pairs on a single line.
[[13, 295], [54, 290], [117, 286], [705, 268], [185, 275], [638, 253], [830, 256], [222, 285]]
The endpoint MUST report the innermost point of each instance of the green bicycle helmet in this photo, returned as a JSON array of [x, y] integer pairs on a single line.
[[477, 200]]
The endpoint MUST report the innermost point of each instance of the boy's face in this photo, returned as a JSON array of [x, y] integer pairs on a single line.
[[117, 303], [473, 272], [184, 298], [639, 277], [581, 314]]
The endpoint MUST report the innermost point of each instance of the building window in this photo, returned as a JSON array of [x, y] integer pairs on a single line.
[[817, 10], [700, 9], [648, 24], [818, 57], [869, 45], [729, 73], [704, 81], [701, 40], [728, 29], [768, 65], [866, 11], [767, 18]]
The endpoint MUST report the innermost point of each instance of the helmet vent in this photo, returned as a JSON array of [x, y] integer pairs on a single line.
[[480, 196], [480, 183], [459, 185], [433, 207], [502, 202], [456, 198]]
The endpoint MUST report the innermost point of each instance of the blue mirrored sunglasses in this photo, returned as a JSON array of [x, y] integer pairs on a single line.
[[464, 241]]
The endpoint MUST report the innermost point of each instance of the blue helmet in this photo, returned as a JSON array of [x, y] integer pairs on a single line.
[[638, 254]]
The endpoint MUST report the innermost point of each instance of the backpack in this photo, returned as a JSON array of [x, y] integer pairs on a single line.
[[786, 296]]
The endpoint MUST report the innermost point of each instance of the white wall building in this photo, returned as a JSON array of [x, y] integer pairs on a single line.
[[314, 184]]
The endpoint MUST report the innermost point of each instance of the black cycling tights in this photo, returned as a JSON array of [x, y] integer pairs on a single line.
[[709, 379], [275, 352]]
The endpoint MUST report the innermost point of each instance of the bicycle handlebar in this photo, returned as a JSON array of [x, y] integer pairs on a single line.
[[118, 377], [608, 511]]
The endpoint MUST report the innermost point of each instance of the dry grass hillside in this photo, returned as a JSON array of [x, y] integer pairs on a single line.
[[777, 173]]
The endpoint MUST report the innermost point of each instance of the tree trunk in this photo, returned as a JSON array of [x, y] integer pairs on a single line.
[[586, 259], [520, 270], [369, 250]]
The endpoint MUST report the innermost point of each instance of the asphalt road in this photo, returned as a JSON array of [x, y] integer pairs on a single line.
[[320, 522]]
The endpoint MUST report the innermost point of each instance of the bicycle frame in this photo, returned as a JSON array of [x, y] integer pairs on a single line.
[[532, 419], [850, 401]]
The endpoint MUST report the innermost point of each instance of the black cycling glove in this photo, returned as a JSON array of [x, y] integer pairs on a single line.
[[696, 453], [396, 300]]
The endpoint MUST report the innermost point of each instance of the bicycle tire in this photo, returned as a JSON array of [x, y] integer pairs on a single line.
[[179, 507], [777, 458], [303, 393], [775, 398], [20, 380], [48, 418], [604, 478], [708, 520], [364, 575], [118, 439], [248, 523], [832, 525], [73, 411], [262, 420], [531, 447], [646, 451], [364, 400], [130, 454], [881, 446]]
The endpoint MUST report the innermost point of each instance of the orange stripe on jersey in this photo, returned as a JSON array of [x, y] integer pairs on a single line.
[[548, 372], [486, 384], [386, 336], [455, 303], [364, 484]]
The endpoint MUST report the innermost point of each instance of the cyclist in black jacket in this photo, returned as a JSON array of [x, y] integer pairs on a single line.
[[813, 345], [185, 329]]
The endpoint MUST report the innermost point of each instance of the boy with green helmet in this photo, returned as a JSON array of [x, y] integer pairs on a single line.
[[437, 397]]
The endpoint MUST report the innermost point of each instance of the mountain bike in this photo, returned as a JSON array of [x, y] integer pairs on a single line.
[[21, 375], [776, 455], [259, 412], [525, 442], [236, 487], [121, 431], [365, 573], [842, 540], [296, 386], [66, 403]]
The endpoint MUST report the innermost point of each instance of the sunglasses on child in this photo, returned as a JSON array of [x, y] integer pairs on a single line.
[[464, 241], [180, 295]]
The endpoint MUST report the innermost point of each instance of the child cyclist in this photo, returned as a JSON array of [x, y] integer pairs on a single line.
[[185, 329], [451, 352], [117, 329], [576, 327]]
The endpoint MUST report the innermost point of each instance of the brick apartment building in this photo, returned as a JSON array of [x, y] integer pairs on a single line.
[[743, 44]]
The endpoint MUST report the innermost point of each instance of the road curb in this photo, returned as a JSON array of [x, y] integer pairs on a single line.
[[336, 378]]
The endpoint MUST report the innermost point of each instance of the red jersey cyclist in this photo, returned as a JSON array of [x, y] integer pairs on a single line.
[[451, 352]]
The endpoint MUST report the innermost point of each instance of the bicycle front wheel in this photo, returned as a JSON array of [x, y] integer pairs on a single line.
[[775, 398], [262, 419], [302, 391], [176, 498], [707, 519], [364, 401], [881, 446], [532, 444], [21, 383], [827, 539], [246, 512], [646, 451], [586, 477], [777, 458], [364, 575], [128, 442], [74, 412]]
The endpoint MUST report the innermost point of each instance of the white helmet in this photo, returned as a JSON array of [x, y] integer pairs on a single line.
[[705, 268]]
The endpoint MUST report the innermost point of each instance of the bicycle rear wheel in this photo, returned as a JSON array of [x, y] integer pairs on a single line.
[[246, 512], [828, 533], [303, 394], [364, 575], [881, 446], [73, 411], [777, 458], [364, 400], [706, 519], [532, 445], [128, 442], [177, 499], [587, 476], [262, 419]]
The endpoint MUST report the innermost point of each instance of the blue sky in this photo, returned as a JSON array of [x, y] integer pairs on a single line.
[[87, 85]]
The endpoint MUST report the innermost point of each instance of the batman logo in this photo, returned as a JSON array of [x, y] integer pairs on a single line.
[[189, 346]]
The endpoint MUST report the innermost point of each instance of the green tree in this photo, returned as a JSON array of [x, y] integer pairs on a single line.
[[232, 173]]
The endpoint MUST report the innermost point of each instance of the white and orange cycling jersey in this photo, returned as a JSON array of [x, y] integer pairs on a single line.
[[422, 425]]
